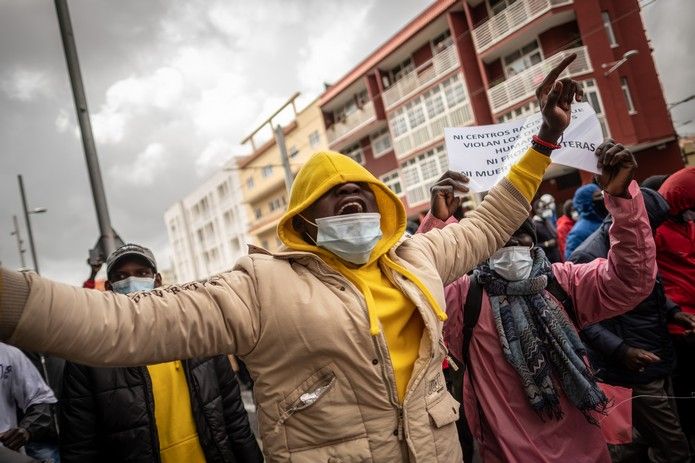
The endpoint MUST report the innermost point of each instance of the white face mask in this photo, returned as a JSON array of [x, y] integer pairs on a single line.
[[351, 237], [132, 284], [575, 215], [512, 263]]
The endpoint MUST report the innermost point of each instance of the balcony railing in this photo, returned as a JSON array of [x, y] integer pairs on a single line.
[[523, 85], [351, 122], [440, 64], [425, 134], [512, 18]]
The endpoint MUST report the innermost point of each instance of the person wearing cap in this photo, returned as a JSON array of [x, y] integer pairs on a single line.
[[635, 350], [341, 329], [528, 392], [175, 412]]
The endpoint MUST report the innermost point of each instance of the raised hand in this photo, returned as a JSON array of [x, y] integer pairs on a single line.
[[555, 99], [443, 201], [618, 167]]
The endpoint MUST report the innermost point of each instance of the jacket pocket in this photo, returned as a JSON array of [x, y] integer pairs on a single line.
[[322, 411], [443, 411], [353, 451]]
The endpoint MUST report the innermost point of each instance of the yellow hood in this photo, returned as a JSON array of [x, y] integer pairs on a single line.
[[325, 170]]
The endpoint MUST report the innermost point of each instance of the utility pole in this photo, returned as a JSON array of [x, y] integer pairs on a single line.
[[107, 240], [280, 140], [19, 241], [28, 222]]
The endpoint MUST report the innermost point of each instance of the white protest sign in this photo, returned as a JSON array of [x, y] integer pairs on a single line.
[[485, 153]]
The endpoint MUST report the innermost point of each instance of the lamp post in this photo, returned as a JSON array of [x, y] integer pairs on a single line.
[[38, 210], [16, 234], [616, 64]]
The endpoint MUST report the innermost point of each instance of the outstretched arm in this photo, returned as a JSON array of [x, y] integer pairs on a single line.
[[96, 328]]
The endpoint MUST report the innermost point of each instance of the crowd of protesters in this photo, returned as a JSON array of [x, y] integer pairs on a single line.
[[498, 336]]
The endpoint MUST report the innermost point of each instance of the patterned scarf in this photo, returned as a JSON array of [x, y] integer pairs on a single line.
[[540, 342]]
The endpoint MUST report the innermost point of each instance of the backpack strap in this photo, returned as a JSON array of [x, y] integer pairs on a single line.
[[471, 314]]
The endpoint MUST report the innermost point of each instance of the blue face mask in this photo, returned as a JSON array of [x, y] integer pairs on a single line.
[[132, 284], [351, 237]]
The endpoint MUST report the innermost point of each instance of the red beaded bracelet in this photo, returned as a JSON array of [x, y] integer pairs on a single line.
[[547, 144]]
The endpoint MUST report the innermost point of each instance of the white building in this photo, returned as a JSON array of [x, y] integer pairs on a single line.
[[207, 228]]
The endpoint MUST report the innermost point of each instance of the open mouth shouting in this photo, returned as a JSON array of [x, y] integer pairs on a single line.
[[353, 205]]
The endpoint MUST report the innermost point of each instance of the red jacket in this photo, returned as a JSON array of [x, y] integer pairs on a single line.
[[675, 242], [564, 225]]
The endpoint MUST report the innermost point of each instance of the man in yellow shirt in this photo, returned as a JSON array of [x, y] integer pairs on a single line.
[[175, 412]]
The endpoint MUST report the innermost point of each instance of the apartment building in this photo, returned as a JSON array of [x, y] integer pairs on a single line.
[[262, 175], [207, 228], [472, 62]]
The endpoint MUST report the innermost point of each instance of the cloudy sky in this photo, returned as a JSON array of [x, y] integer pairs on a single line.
[[173, 86]]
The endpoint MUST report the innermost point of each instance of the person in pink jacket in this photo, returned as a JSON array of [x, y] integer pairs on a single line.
[[529, 394]]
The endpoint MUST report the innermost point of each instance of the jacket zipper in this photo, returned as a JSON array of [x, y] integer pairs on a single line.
[[390, 384]]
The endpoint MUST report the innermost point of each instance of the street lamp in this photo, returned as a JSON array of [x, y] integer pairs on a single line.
[[36, 210], [616, 64]]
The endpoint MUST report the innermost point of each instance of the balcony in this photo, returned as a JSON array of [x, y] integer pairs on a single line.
[[432, 130], [439, 65], [523, 85], [360, 118], [511, 19]]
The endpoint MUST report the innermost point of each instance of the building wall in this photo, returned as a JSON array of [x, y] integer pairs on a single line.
[[207, 228], [647, 129]]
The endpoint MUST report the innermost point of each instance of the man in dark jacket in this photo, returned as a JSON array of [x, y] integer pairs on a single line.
[[634, 350], [545, 222], [185, 411]]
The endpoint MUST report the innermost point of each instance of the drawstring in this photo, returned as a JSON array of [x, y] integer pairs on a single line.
[[428, 295], [374, 327]]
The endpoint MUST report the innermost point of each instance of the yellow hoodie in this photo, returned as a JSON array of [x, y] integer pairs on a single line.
[[388, 307]]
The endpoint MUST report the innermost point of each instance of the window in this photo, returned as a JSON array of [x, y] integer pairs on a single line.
[[434, 102], [249, 183], [258, 212], [522, 59], [454, 91], [441, 41], [522, 111], [277, 203], [229, 217], [381, 143], [267, 171], [592, 96], [393, 181], [293, 152], [420, 172], [627, 95], [399, 125], [497, 6], [354, 152], [314, 140], [609, 29], [398, 72], [416, 116], [223, 189]]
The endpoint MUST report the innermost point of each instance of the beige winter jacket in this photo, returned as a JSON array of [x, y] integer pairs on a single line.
[[324, 386]]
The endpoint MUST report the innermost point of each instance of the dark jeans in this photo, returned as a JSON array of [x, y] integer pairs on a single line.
[[659, 437]]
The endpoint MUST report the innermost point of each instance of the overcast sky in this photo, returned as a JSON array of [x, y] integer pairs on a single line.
[[173, 86]]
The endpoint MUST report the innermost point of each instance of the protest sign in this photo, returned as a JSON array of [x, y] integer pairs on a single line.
[[485, 153]]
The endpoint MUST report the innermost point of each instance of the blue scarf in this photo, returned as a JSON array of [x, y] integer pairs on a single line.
[[540, 342]]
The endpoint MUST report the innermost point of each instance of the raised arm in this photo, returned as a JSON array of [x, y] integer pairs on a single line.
[[604, 288], [97, 328], [460, 247]]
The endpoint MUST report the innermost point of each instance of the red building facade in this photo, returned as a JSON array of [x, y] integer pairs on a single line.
[[469, 62]]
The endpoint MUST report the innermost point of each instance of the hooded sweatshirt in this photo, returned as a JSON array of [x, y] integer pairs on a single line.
[[589, 220], [389, 308], [675, 242]]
